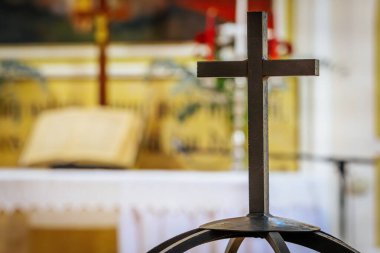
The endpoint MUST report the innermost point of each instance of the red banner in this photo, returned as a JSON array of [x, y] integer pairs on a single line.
[[225, 8]]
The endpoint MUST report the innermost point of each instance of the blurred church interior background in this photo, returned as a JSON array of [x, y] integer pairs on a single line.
[[110, 143]]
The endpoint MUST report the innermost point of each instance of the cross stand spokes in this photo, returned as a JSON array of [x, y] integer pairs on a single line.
[[259, 222]]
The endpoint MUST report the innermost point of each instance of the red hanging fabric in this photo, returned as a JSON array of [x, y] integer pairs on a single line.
[[225, 8]]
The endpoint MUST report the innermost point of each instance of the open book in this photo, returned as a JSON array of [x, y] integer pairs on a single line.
[[84, 137]]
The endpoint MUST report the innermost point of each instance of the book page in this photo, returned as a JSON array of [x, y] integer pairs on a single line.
[[96, 136]]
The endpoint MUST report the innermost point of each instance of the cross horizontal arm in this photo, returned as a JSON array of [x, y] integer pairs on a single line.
[[290, 67], [222, 69]]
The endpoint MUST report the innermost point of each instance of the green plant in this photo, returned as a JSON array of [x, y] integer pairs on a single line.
[[218, 93], [12, 71]]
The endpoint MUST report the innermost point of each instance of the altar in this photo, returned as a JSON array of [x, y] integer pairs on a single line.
[[146, 207]]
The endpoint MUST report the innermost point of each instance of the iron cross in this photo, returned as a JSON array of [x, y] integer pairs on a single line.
[[257, 68]]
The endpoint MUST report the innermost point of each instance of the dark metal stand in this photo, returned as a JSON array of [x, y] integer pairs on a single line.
[[340, 164], [258, 223]]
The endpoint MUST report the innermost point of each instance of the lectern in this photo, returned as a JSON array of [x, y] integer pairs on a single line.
[[259, 222]]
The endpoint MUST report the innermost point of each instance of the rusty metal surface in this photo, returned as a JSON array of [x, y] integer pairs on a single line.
[[318, 241], [222, 69], [234, 245], [191, 239], [291, 68], [257, 68], [258, 164], [270, 68], [260, 223], [187, 236], [277, 243]]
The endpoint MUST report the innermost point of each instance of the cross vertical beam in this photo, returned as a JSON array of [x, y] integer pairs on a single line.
[[257, 69], [257, 113]]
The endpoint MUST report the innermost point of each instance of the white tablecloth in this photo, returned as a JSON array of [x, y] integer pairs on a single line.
[[156, 205]]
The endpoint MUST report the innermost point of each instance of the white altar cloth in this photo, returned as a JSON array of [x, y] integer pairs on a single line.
[[156, 205]]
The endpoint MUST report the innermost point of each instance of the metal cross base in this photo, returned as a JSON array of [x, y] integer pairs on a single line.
[[259, 223], [275, 230]]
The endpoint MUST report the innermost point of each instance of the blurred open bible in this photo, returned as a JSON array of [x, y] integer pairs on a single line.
[[84, 137]]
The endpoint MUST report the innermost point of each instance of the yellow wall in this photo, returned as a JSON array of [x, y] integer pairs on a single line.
[[283, 124], [71, 81], [68, 84]]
